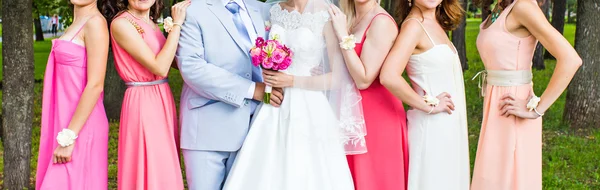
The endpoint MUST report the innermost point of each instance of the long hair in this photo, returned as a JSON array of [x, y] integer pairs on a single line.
[[449, 14], [113, 8], [349, 9], [503, 4]]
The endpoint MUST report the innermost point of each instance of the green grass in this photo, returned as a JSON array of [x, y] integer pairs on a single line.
[[570, 158]]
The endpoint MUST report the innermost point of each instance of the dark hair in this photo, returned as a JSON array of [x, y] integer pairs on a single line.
[[503, 4], [113, 8], [449, 14], [107, 9]]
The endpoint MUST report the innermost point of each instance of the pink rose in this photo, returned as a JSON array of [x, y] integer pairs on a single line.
[[267, 64], [256, 54], [278, 56], [285, 63], [260, 42]]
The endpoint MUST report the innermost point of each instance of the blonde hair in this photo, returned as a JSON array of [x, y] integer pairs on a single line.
[[349, 9]]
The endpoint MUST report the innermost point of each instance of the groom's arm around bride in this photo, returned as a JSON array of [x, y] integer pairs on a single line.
[[221, 87]]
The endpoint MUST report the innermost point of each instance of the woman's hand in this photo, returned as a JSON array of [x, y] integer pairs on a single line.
[[62, 155], [510, 105], [339, 21], [178, 11], [445, 105], [277, 79]]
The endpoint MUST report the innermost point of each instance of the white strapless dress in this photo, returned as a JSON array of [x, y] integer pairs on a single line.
[[296, 146]]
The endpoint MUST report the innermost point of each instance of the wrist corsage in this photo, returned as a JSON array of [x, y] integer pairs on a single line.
[[348, 42], [168, 24], [431, 101], [532, 105], [66, 137]]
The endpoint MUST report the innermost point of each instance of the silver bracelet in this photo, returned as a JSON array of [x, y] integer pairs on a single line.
[[537, 112], [431, 111]]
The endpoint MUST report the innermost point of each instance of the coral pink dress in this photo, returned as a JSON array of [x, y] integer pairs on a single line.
[[148, 151], [64, 82], [385, 165], [509, 155]]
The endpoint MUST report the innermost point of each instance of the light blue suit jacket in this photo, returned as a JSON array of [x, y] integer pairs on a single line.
[[216, 67]]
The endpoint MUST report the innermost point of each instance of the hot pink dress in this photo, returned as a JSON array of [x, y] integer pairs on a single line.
[[385, 165], [509, 155], [148, 151], [64, 82]]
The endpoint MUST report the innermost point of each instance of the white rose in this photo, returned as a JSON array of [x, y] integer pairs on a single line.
[[168, 24], [348, 42], [533, 103], [66, 137], [430, 100]]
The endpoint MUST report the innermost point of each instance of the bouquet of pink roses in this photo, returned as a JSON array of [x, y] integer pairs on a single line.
[[271, 55]]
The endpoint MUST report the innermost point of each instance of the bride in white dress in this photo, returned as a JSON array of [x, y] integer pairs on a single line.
[[303, 144]]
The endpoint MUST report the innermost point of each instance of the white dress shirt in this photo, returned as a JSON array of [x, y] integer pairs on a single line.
[[251, 32]]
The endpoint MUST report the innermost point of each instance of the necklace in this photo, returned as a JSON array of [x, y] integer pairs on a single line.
[[496, 13], [363, 16], [145, 20]]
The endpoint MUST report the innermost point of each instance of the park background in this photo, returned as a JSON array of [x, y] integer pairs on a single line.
[[571, 129]]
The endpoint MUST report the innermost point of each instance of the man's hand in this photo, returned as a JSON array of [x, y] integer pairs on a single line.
[[276, 94], [276, 97]]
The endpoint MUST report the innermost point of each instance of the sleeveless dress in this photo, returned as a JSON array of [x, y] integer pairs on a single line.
[[296, 146], [385, 165], [509, 154], [64, 82], [148, 151], [438, 143]]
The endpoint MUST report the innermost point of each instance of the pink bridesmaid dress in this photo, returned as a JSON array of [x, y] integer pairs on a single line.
[[385, 165], [509, 154], [64, 82], [148, 151]]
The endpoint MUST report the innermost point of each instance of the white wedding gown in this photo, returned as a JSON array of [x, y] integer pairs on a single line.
[[296, 146]]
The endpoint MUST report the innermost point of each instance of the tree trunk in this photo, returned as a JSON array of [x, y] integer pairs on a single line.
[[17, 84], [114, 90], [559, 7], [538, 56], [485, 9], [39, 32], [582, 109], [458, 39]]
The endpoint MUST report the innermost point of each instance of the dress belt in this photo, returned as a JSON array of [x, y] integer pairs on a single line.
[[503, 78], [150, 83]]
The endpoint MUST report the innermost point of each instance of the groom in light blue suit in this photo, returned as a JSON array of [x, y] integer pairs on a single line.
[[221, 86]]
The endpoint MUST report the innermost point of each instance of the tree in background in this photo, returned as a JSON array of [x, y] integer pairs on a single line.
[[538, 55], [17, 91], [458, 38], [582, 109], [485, 9], [559, 7], [42, 7]]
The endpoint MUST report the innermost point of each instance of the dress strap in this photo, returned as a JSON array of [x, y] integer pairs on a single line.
[[427, 33], [369, 26], [80, 28]]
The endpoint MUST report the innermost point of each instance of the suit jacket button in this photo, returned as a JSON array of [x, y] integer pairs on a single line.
[[248, 75]]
